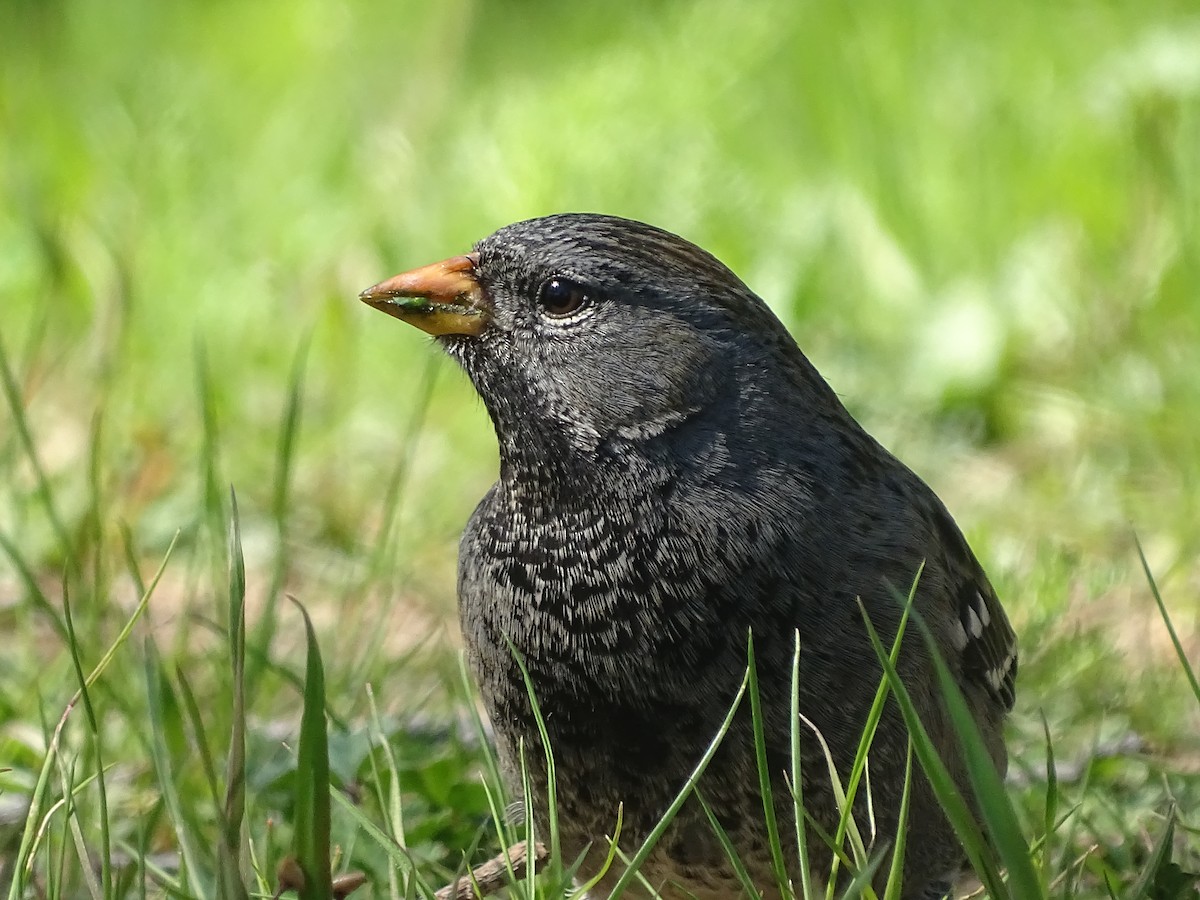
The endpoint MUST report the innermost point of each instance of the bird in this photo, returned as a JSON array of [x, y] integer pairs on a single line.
[[676, 479]]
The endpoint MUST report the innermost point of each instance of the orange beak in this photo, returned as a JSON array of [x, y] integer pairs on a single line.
[[440, 299]]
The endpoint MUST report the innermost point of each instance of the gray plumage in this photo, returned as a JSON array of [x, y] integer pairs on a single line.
[[674, 473]]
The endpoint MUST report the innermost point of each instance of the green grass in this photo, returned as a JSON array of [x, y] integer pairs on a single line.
[[980, 221]]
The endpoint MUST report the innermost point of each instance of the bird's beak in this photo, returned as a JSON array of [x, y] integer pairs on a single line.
[[443, 298]]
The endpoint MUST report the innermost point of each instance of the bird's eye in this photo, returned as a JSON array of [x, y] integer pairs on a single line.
[[561, 297]]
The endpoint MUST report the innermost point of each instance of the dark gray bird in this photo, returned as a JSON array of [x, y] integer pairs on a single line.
[[674, 473]]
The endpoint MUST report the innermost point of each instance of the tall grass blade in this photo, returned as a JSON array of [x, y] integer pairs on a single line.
[[1049, 821], [528, 889], [764, 772], [490, 767], [94, 521], [70, 792], [12, 394], [33, 591], [994, 805], [1147, 886], [397, 855], [191, 709], [860, 885], [551, 781], [739, 868], [284, 462], [209, 450], [393, 494], [97, 748], [644, 851], [895, 879], [846, 823], [286, 450], [975, 846], [585, 888], [797, 777], [312, 824], [391, 805], [881, 694], [129, 550], [1166, 617], [163, 709], [229, 851], [23, 861]]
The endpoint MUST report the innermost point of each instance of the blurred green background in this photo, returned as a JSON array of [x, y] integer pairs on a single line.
[[979, 220]]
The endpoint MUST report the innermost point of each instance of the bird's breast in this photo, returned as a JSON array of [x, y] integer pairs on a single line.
[[607, 601]]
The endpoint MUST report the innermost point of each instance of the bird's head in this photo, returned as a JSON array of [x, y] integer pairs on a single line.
[[580, 330]]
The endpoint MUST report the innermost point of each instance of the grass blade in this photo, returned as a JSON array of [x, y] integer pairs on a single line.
[[739, 868], [635, 864], [97, 749], [191, 709], [806, 884], [229, 850], [491, 768], [764, 772], [398, 856], [33, 592], [861, 885], [284, 462], [209, 457], [70, 790], [23, 862], [312, 825], [846, 823], [894, 883], [1160, 859], [131, 561], [1166, 617], [555, 864], [975, 846], [12, 394], [392, 807], [383, 551], [163, 709], [994, 805], [1049, 822]]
